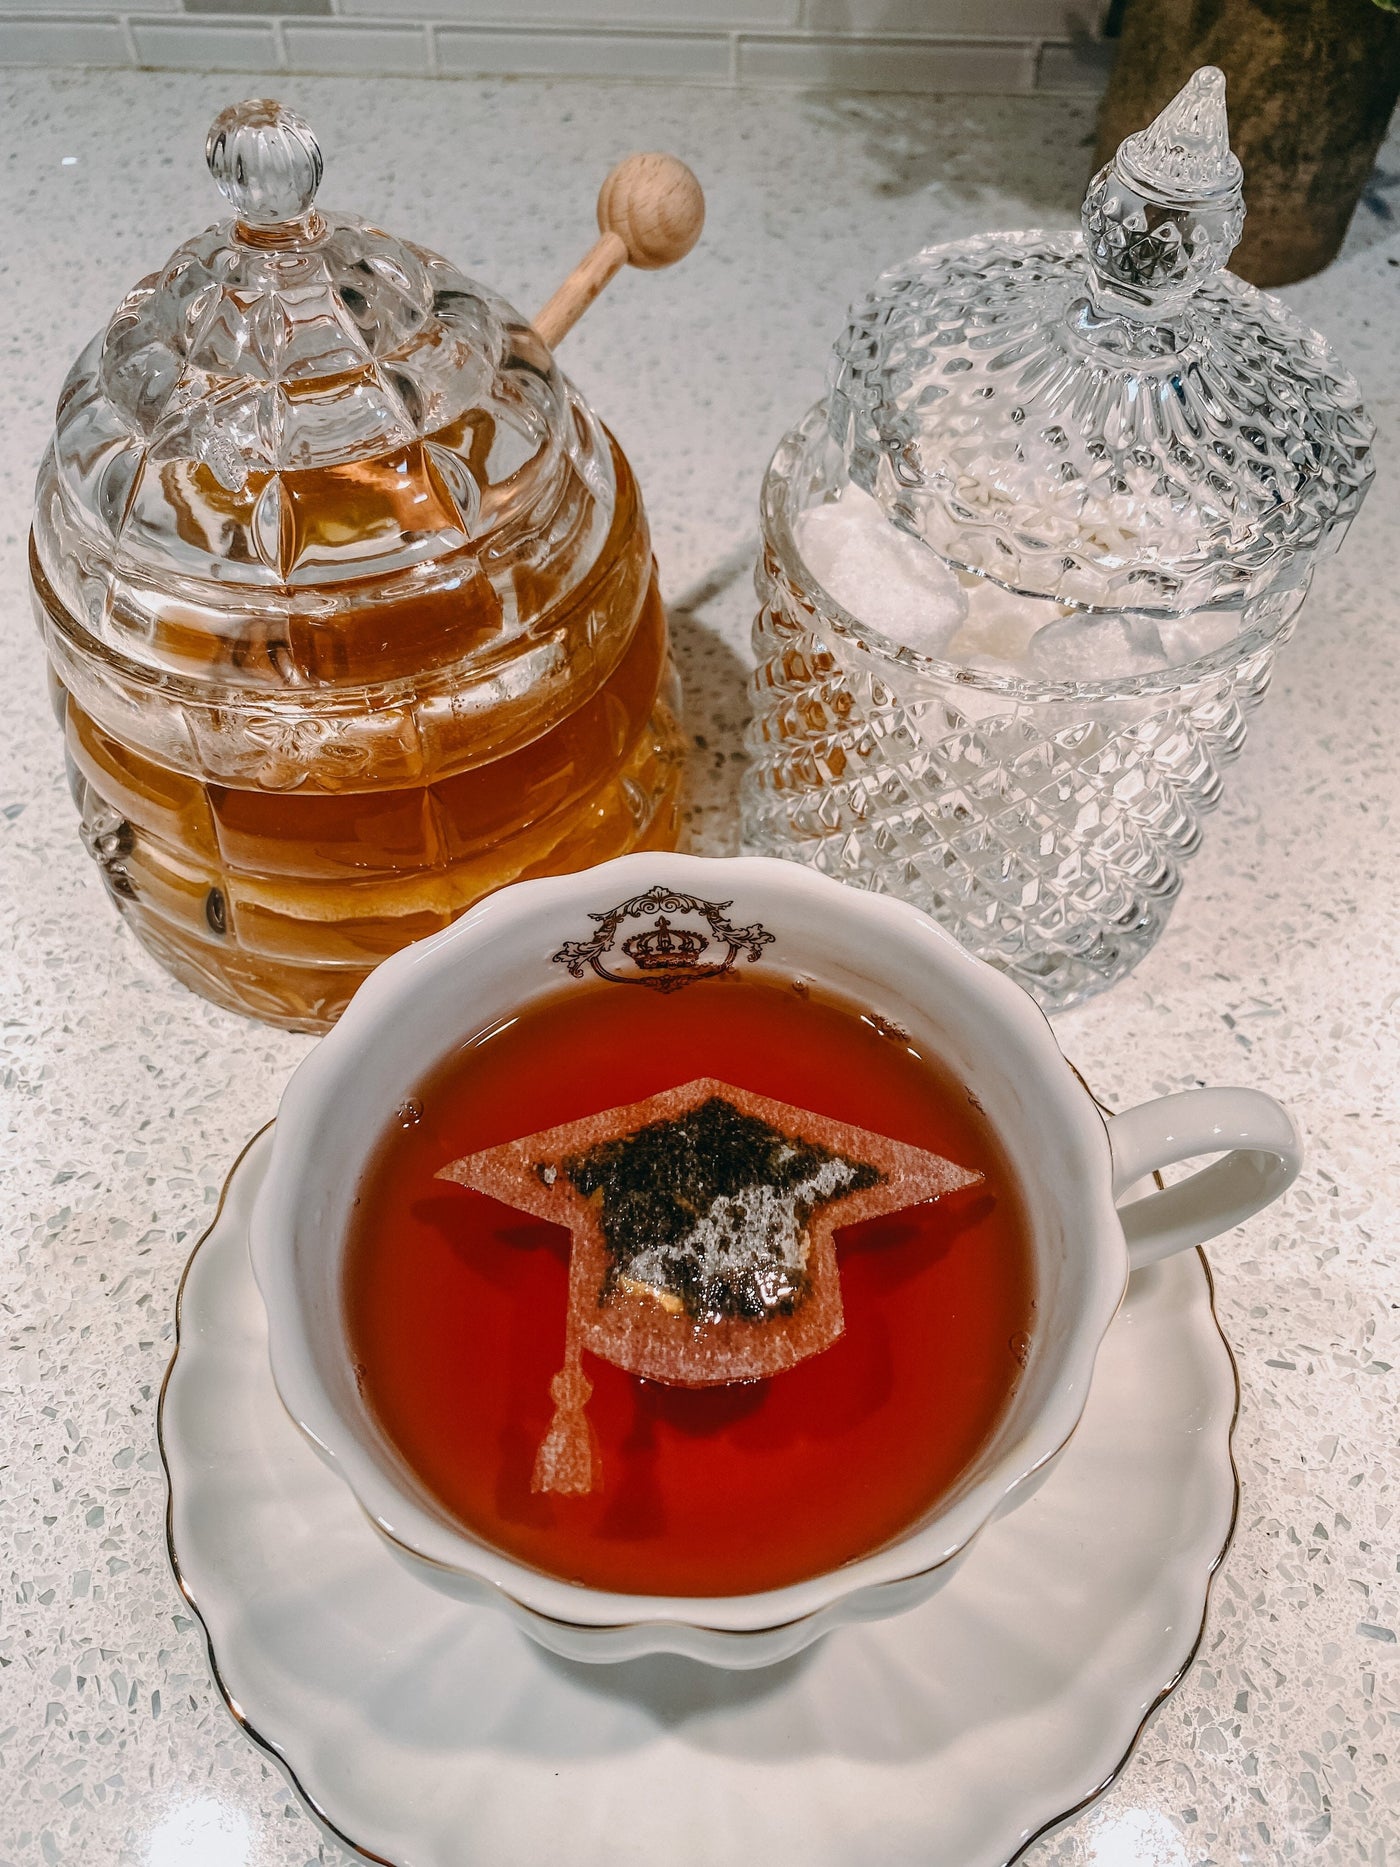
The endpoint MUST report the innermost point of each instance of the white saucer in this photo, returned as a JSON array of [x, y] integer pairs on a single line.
[[431, 1734]]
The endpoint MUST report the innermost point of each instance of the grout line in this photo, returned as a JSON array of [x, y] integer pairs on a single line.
[[129, 39]]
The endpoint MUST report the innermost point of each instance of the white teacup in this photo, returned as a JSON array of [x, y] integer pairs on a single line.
[[1072, 1165]]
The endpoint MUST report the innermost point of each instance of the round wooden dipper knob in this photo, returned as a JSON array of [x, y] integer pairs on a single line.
[[655, 206], [650, 212]]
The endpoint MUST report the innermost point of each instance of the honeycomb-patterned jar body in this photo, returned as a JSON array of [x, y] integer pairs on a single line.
[[1045, 825], [271, 855]]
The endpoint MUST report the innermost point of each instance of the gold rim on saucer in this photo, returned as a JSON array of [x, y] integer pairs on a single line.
[[326, 1821]]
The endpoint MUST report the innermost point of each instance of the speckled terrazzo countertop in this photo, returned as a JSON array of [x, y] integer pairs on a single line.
[[125, 1099]]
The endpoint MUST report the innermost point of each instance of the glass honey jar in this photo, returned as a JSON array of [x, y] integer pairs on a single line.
[[348, 598]]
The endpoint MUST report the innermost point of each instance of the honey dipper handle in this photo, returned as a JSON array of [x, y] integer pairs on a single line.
[[650, 212]]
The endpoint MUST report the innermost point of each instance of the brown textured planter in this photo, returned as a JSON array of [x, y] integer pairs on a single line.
[[1312, 84]]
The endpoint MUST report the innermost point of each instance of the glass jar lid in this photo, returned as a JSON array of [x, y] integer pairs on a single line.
[[1108, 418], [299, 404]]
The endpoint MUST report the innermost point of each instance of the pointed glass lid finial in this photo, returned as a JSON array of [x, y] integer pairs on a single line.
[[1184, 153], [1167, 212]]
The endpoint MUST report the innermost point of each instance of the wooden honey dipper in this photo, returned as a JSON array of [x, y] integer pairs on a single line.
[[650, 212]]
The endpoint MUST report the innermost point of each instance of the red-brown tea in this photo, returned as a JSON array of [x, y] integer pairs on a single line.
[[456, 1304]]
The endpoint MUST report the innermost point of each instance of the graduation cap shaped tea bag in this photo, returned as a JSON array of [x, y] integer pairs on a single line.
[[703, 1251]]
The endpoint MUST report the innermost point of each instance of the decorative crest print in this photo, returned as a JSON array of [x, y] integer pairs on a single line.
[[672, 950]]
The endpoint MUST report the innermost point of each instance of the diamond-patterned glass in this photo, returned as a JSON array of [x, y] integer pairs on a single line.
[[1046, 825]]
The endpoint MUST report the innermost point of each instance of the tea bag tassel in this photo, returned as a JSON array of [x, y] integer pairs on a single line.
[[567, 1461]]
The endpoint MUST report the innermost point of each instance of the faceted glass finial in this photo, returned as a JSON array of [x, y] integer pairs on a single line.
[[266, 162], [1185, 153], [1166, 213]]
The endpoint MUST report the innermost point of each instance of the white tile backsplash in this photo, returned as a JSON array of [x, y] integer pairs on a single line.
[[56, 11], [918, 46], [979, 19], [489, 51], [699, 15], [342, 45], [55, 40], [835, 64], [242, 8], [203, 43]]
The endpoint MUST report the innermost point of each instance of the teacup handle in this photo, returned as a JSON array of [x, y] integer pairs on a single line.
[[1265, 1157]]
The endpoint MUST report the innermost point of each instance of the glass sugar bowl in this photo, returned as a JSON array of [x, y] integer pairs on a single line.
[[348, 598], [1026, 571]]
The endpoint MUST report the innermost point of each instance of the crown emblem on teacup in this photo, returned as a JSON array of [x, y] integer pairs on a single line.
[[669, 953], [664, 948]]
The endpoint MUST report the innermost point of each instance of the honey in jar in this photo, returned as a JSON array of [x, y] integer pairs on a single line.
[[348, 598]]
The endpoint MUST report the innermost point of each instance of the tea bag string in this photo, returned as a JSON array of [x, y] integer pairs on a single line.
[[567, 1461]]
